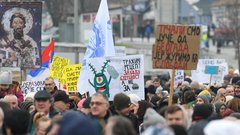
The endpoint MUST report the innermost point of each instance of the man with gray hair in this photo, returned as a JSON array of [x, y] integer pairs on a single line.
[[11, 100], [100, 108], [50, 86]]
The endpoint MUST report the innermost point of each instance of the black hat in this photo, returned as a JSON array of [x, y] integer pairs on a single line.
[[61, 96], [202, 111], [151, 89], [25, 105], [42, 94], [121, 101], [86, 103]]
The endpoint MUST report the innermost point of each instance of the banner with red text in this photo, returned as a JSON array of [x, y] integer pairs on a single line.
[[176, 47], [116, 74]]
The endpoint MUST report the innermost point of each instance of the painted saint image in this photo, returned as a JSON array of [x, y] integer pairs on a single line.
[[22, 35]]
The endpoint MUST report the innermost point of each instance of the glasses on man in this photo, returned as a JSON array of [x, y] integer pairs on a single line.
[[48, 84]]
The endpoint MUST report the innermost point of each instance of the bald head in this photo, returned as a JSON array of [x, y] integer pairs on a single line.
[[11, 100]]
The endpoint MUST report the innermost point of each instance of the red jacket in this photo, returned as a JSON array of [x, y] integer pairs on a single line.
[[15, 90]]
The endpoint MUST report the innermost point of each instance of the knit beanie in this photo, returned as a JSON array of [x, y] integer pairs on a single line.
[[205, 98], [202, 111], [218, 106], [5, 77], [121, 101], [25, 105], [152, 118], [205, 92], [195, 85], [134, 98]]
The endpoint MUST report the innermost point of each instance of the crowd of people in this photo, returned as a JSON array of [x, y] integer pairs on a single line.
[[197, 109]]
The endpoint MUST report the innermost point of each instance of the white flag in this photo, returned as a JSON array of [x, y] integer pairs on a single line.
[[100, 44]]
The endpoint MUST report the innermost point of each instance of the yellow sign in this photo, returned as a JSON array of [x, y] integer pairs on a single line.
[[57, 66], [70, 76]]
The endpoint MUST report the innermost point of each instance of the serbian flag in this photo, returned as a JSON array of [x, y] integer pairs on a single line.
[[100, 44], [47, 57]]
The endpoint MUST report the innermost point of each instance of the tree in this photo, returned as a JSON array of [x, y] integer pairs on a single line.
[[232, 15]]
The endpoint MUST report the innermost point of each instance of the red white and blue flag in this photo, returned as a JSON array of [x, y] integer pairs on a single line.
[[47, 57]]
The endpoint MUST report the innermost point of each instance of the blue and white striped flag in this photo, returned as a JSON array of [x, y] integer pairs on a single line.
[[100, 44]]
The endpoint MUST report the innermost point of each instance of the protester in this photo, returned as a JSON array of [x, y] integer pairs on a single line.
[[27, 106], [74, 123], [176, 115], [12, 100], [5, 107], [138, 107], [119, 125], [237, 89], [202, 111], [219, 98], [42, 124], [16, 122], [220, 108], [152, 118], [134, 102], [84, 105], [61, 101], [7, 86], [151, 91], [234, 104], [202, 99], [100, 109], [50, 86], [43, 104], [122, 104], [29, 96], [229, 90], [222, 91]]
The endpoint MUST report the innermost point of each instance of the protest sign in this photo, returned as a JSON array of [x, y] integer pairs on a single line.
[[200, 73], [70, 76], [31, 86], [116, 74], [57, 66], [176, 47], [179, 77], [20, 34]]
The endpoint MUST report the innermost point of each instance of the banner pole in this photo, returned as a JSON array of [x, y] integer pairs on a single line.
[[171, 88]]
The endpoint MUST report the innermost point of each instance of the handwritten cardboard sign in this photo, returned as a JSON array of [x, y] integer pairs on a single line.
[[32, 86], [200, 75], [57, 66], [70, 76], [176, 47]]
